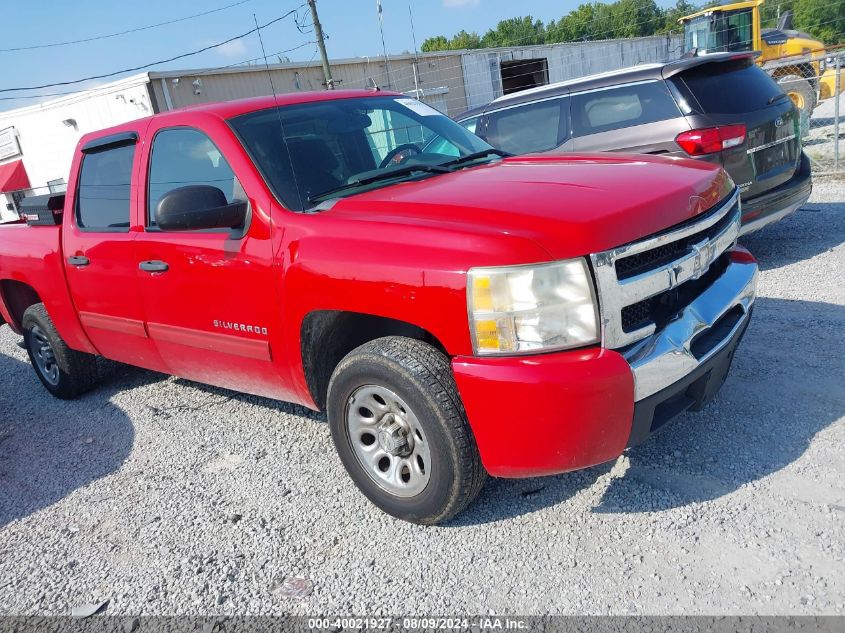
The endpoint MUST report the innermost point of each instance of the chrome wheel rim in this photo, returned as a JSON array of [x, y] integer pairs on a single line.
[[45, 357], [388, 441]]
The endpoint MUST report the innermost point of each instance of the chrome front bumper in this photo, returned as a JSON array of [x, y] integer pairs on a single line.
[[680, 347]]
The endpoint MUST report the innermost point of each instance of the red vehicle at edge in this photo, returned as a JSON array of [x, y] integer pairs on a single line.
[[456, 314]]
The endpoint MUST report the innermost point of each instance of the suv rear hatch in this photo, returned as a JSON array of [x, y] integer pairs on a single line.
[[737, 91]]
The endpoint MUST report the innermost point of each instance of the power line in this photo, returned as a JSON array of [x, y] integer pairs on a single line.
[[459, 74], [135, 30], [162, 61], [199, 73]]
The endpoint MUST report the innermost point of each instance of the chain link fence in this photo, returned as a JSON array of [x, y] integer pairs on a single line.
[[823, 133]]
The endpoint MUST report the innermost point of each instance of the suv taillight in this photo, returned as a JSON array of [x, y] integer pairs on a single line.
[[711, 140]]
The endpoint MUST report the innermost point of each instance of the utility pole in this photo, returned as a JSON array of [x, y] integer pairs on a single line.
[[416, 57], [318, 31], [383, 47]]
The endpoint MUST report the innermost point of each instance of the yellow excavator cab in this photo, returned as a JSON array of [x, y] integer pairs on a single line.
[[794, 59]]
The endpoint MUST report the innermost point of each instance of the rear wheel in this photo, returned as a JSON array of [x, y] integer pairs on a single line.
[[65, 373], [401, 432], [800, 91]]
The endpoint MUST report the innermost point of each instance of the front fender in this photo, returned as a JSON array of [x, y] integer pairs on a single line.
[[413, 276]]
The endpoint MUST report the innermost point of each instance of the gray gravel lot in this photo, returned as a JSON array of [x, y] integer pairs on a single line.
[[168, 497]]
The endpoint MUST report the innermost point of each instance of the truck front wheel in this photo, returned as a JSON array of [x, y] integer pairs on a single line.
[[65, 373], [400, 429]]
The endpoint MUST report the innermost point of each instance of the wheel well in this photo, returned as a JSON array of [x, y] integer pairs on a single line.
[[328, 335], [17, 296]]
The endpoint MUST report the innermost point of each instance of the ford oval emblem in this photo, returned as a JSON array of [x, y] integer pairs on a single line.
[[779, 122]]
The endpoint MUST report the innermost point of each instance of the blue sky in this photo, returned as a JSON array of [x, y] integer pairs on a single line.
[[351, 26]]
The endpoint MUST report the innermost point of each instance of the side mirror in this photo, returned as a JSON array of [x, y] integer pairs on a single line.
[[198, 207]]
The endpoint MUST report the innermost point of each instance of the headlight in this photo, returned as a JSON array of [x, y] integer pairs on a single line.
[[534, 308]]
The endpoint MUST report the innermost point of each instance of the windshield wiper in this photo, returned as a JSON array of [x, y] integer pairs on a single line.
[[385, 175], [475, 156], [777, 97]]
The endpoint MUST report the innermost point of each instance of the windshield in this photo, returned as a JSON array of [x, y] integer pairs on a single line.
[[721, 31], [344, 146]]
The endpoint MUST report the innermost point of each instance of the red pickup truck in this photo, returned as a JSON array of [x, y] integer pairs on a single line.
[[455, 314]]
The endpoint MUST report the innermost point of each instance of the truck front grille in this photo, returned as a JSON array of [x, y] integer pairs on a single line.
[[660, 308], [646, 261], [643, 285]]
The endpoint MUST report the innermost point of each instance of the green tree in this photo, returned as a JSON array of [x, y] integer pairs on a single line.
[[524, 31], [772, 9], [464, 40], [436, 43], [673, 14], [823, 19], [634, 18], [575, 25]]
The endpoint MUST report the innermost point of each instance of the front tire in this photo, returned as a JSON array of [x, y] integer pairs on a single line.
[[400, 429], [65, 372], [800, 91]]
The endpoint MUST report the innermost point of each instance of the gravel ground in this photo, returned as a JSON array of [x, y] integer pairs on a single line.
[[168, 497], [819, 144]]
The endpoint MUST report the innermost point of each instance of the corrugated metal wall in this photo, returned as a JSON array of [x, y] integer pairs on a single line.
[[434, 73], [565, 61], [464, 79]]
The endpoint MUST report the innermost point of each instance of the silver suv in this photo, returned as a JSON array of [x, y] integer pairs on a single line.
[[721, 108]]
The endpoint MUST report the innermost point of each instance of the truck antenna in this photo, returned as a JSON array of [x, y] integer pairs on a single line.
[[278, 114]]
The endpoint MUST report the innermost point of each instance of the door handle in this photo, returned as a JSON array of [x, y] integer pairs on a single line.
[[78, 260], [154, 266]]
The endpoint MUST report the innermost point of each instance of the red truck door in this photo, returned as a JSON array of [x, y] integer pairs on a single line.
[[209, 297], [97, 245]]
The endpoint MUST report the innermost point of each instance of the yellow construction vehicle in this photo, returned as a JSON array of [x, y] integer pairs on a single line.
[[794, 59]]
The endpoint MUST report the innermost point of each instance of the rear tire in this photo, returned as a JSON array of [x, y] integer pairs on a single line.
[[400, 429], [800, 91], [65, 372]]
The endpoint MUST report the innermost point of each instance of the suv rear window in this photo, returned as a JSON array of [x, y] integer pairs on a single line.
[[622, 106], [730, 87]]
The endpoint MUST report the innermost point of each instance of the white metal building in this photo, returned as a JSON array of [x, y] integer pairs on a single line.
[[38, 141]]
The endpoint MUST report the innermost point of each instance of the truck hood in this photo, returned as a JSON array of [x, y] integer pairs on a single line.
[[569, 205]]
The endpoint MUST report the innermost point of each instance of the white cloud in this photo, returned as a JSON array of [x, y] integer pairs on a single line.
[[235, 48], [460, 4]]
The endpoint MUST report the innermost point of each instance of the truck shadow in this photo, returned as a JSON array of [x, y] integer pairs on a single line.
[[780, 393], [49, 448], [276, 406], [815, 228]]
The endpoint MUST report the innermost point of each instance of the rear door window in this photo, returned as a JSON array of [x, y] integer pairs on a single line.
[[622, 106], [730, 87], [105, 182], [531, 127]]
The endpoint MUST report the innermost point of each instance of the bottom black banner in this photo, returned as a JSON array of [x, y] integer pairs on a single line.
[[262, 624]]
